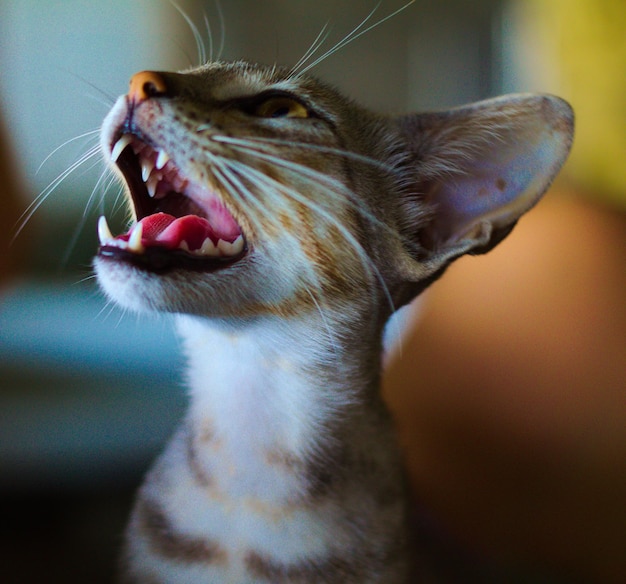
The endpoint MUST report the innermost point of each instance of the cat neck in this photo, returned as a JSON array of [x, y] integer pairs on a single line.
[[287, 390], [280, 362]]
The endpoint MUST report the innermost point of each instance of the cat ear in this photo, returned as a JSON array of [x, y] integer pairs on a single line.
[[482, 166]]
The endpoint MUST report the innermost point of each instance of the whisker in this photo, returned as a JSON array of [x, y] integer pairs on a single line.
[[28, 213], [194, 31], [110, 307], [72, 242], [209, 33], [315, 45], [332, 338], [106, 103], [110, 99], [296, 196], [307, 146], [371, 270], [85, 279], [355, 34], [220, 16], [119, 202], [342, 42], [105, 175], [231, 168], [103, 184], [237, 190], [66, 143], [297, 168], [184, 52], [335, 186]]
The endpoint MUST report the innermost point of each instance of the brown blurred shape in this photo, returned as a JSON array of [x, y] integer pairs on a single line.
[[12, 204]]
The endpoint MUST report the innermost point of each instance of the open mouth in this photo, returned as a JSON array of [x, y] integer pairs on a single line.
[[179, 224]]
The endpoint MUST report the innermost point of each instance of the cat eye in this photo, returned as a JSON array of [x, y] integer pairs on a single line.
[[281, 107]]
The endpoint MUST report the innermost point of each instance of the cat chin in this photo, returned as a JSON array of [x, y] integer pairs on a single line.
[[226, 294], [129, 287]]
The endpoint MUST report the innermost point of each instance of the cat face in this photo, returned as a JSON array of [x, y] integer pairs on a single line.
[[249, 194], [255, 191]]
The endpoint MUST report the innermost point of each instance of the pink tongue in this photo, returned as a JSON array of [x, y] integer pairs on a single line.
[[169, 231]]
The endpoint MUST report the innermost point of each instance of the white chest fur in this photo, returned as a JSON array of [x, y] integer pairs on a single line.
[[258, 393], [247, 487]]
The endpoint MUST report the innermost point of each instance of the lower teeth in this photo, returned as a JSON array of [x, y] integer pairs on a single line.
[[135, 243]]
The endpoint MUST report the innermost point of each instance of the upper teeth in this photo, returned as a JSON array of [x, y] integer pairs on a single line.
[[135, 245], [124, 141], [150, 166], [152, 176], [151, 184], [147, 166], [162, 159]]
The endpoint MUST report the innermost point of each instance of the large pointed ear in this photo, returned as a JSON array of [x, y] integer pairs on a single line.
[[480, 167]]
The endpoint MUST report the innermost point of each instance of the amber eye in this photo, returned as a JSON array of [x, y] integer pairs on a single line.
[[281, 107]]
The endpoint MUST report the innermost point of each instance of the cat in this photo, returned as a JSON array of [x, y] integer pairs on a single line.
[[283, 224]]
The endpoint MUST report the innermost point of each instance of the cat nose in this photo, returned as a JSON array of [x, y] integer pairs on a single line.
[[146, 84]]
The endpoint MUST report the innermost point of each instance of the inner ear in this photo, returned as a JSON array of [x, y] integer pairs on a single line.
[[480, 167]]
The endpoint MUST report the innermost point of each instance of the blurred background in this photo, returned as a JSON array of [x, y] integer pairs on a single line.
[[504, 462]]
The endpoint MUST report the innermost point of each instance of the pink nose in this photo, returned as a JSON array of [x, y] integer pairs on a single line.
[[146, 84]]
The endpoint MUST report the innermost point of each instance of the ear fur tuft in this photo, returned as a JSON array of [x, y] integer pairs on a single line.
[[480, 167]]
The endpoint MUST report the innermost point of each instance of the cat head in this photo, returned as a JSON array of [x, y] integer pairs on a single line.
[[255, 191]]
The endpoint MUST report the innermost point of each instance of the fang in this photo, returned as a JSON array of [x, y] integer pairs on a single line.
[[119, 146], [104, 233], [162, 160], [134, 241], [146, 168]]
